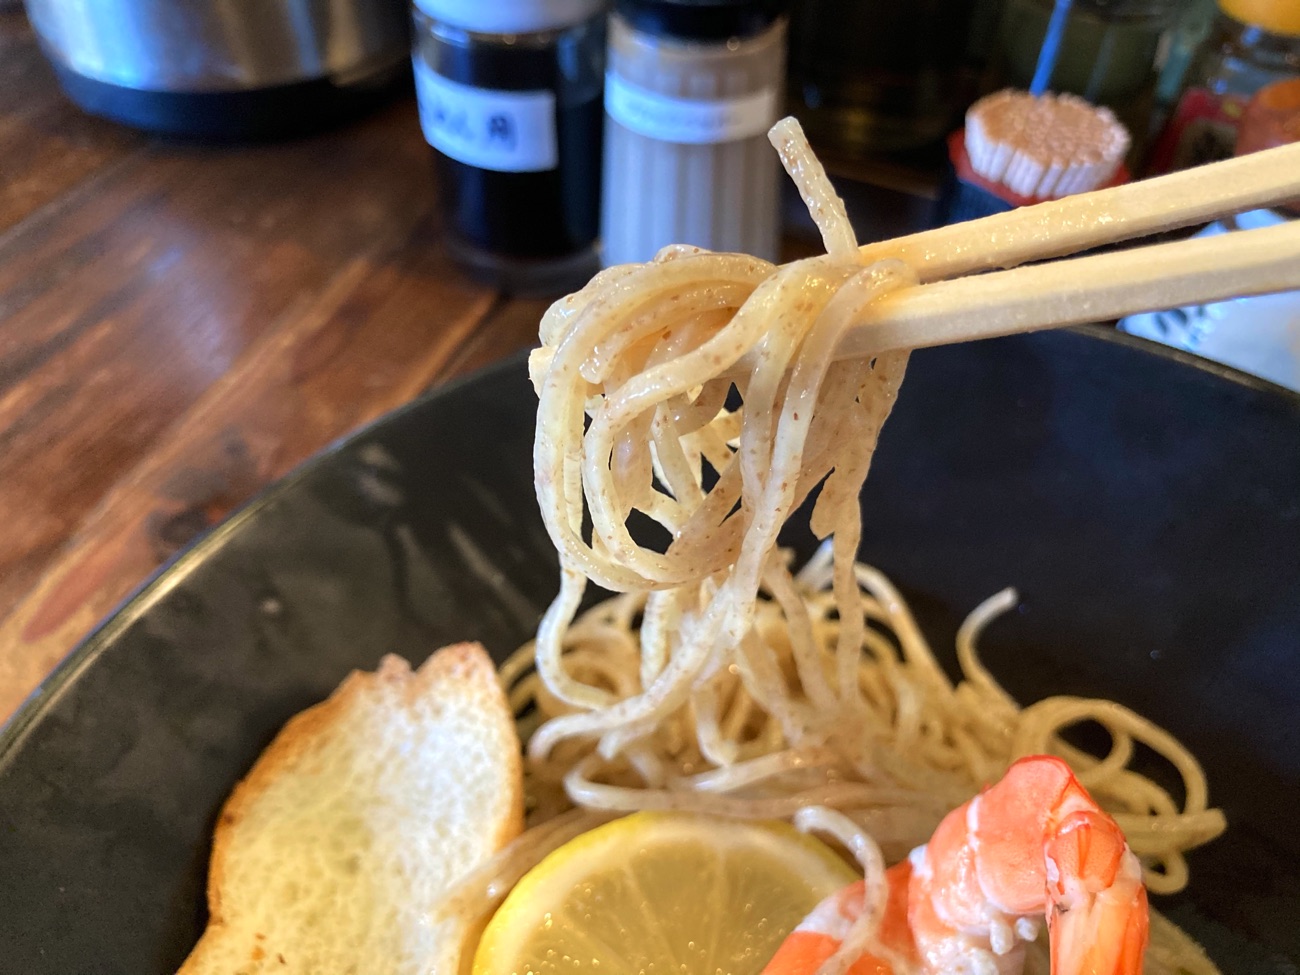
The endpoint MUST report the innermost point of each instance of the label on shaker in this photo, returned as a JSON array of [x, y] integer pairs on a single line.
[[505, 131], [693, 121]]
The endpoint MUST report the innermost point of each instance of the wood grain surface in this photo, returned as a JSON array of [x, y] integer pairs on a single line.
[[182, 324]]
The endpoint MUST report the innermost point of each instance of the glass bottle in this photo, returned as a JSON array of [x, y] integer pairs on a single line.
[[510, 97], [692, 90], [1108, 55], [1253, 43], [882, 76], [1184, 42]]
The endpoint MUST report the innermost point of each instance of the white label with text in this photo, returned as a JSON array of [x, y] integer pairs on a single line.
[[693, 121], [505, 131]]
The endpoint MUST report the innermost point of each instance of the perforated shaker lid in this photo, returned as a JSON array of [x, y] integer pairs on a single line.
[[701, 20], [510, 16]]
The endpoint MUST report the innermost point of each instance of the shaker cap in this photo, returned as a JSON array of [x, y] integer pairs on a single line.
[[1275, 16], [701, 20], [510, 16]]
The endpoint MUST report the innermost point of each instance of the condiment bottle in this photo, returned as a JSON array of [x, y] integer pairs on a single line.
[[1184, 41], [1107, 54], [1253, 43], [693, 86], [880, 76], [510, 97]]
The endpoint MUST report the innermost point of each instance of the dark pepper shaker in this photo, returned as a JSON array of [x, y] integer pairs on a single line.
[[510, 95]]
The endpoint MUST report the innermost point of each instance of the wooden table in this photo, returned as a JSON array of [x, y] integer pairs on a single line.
[[181, 324]]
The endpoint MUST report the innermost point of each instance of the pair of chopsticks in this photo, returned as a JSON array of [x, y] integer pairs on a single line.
[[955, 303]]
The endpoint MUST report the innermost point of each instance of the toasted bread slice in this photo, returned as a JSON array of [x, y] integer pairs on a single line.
[[330, 854]]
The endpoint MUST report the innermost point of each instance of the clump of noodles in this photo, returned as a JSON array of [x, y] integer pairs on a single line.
[[722, 680]]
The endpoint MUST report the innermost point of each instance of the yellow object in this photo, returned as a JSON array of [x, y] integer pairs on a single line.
[[661, 892], [1275, 16]]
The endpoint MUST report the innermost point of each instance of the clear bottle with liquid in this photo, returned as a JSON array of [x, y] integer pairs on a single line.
[[872, 77], [1252, 44], [1109, 53], [509, 94]]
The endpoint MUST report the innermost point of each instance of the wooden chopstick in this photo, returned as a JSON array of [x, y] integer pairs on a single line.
[[1079, 223], [1083, 289]]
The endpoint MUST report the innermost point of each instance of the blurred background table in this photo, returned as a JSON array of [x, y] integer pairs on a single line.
[[182, 324]]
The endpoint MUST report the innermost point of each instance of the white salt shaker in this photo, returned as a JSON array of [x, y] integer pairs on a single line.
[[691, 89]]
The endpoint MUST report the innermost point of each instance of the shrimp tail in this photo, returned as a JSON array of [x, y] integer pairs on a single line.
[[1034, 843], [1097, 905]]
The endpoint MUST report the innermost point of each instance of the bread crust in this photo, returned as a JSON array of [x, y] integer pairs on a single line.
[[461, 671]]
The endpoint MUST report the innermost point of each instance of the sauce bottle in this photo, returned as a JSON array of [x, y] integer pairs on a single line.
[[510, 98], [873, 77], [1108, 53], [1253, 43]]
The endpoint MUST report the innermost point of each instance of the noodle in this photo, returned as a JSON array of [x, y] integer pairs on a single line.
[[720, 681]]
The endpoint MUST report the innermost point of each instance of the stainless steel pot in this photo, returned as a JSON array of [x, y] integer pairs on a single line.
[[224, 67]]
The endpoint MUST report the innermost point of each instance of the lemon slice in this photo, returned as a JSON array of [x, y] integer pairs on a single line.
[[661, 894]]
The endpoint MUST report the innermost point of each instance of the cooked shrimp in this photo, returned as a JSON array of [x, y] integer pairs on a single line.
[[1034, 844]]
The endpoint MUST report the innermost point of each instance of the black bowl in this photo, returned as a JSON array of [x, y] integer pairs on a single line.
[[1146, 505]]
